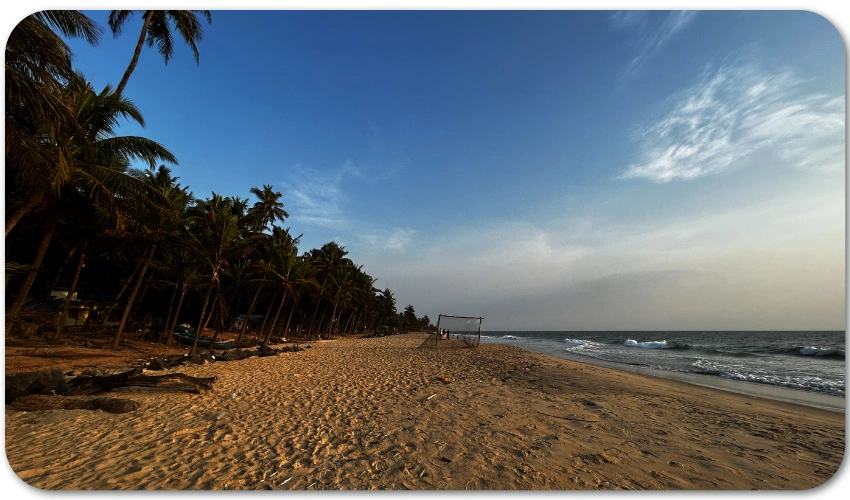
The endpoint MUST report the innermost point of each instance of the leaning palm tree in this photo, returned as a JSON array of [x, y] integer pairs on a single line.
[[91, 160], [156, 30], [38, 66]]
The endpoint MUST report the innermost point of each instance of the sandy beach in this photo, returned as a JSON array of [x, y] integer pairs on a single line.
[[383, 413]]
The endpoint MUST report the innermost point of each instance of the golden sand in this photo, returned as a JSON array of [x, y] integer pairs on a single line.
[[383, 413]]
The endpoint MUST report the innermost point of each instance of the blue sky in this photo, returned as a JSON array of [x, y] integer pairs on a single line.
[[568, 170]]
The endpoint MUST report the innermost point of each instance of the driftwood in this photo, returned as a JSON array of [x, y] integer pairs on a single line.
[[72, 394], [85, 385], [50, 389], [36, 402], [48, 381]]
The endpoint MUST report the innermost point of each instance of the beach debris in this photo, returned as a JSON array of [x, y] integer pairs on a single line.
[[87, 385], [37, 382], [429, 397], [444, 380], [35, 402], [54, 384], [421, 473], [287, 480], [218, 417], [233, 396], [158, 364], [447, 460]]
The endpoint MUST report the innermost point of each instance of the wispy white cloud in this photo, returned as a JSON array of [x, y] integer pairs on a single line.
[[649, 39], [316, 196], [733, 112], [392, 239], [316, 199]]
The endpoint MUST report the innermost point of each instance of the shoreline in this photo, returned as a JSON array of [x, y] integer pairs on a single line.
[[773, 392], [382, 413]]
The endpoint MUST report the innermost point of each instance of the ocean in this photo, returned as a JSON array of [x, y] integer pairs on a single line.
[[804, 361]]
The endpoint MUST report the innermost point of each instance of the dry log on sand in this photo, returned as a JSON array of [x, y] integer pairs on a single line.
[[84, 385], [40, 402]]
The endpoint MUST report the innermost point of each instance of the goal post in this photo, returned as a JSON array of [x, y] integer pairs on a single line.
[[465, 328]]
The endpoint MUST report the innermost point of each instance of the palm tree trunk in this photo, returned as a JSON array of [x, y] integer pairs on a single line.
[[121, 292], [248, 316], [61, 323], [148, 257], [266, 318], [316, 311], [322, 324], [212, 309], [135, 60], [348, 323], [274, 322], [170, 331], [19, 213], [142, 296], [333, 314], [13, 312], [231, 314], [58, 276], [194, 349], [218, 329], [288, 319], [170, 308]]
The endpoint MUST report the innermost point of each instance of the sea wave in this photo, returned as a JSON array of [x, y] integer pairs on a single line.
[[510, 337], [653, 344], [578, 342], [824, 352], [800, 382]]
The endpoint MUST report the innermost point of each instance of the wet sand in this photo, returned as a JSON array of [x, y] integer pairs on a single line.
[[383, 413]]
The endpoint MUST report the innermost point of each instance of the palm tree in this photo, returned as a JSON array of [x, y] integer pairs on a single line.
[[268, 209], [287, 271], [156, 29], [216, 240], [386, 306], [328, 260], [409, 316], [38, 66], [82, 222], [90, 159], [159, 222]]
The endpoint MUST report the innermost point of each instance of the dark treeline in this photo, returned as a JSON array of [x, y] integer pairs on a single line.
[[91, 241]]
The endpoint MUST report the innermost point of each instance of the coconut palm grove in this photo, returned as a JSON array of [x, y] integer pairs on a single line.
[[97, 244]]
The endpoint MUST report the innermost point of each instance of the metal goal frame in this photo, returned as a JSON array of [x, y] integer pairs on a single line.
[[440, 318]]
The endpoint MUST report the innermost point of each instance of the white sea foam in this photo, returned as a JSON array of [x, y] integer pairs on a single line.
[[654, 344], [820, 351], [510, 337]]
